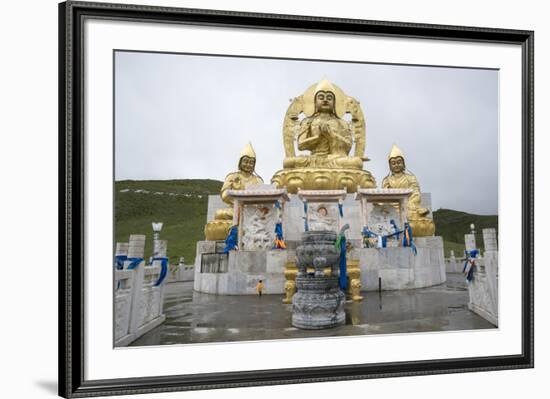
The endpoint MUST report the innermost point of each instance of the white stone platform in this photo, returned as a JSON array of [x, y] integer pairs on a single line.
[[398, 268], [238, 272], [242, 271]]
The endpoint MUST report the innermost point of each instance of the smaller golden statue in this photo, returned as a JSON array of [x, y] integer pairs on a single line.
[[419, 217], [218, 228]]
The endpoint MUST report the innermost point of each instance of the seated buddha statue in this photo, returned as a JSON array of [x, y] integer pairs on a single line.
[[245, 176], [328, 138], [419, 217]]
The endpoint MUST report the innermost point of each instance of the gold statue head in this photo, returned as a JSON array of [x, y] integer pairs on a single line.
[[324, 97], [396, 160], [247, 159]]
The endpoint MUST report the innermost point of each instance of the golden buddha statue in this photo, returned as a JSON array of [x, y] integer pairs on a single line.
[[329, 139], [218, 228], [419, 217]]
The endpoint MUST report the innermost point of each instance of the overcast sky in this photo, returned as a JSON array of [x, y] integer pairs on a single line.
[[183, 116]]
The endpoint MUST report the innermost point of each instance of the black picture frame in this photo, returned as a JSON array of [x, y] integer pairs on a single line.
[[71, 203]]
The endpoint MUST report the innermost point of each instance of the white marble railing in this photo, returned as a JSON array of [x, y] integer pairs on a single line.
[[181, 272], [138, 301], [483, 288]]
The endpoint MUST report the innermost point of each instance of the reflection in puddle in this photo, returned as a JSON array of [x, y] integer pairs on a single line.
[[193, 317]]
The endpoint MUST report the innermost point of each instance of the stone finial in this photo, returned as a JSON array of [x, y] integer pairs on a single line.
[[490, 239], [136, 246], [470, 241], [121, 249]]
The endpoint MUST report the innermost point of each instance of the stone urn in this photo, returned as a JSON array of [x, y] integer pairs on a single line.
[[318, 302], [319, 246]]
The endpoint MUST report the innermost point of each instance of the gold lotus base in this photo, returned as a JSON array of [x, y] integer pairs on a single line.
[[422, 227], [323, 179], [217, 230]]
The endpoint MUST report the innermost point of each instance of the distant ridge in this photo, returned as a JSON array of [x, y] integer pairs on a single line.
[[182, 206], [452, 225]]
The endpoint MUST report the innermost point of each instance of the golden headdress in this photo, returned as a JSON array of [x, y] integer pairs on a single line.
[[395, 152], [247, 151], [324, 85]]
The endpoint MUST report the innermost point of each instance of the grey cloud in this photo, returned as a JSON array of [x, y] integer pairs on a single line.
[[183, 116]]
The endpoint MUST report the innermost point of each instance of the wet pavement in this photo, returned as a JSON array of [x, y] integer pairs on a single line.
[[193, 317]]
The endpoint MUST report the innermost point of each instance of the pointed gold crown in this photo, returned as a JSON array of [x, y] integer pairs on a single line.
[[395, 152], [324, 85], [247, 151]]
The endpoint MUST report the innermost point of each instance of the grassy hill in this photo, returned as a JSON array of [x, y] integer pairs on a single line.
[[452, 225], [182, 206]]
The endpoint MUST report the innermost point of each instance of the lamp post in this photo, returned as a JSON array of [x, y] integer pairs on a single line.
[[157, 227]]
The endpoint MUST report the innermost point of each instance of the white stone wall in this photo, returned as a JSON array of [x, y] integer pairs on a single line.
[[244, 270], [398, 268]]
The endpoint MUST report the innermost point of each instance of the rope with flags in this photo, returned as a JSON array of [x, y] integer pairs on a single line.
[[341, 246], [383, 238], [469, 264]]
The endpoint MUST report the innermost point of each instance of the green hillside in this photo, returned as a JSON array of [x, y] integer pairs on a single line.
[[452, 225], [182, 206]]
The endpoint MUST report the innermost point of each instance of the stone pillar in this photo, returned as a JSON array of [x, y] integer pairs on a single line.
[[452, 266], [491, 266], [136, 249], [121, 249], [470, 241], [136, 246], [490, 239], [160, 248]]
